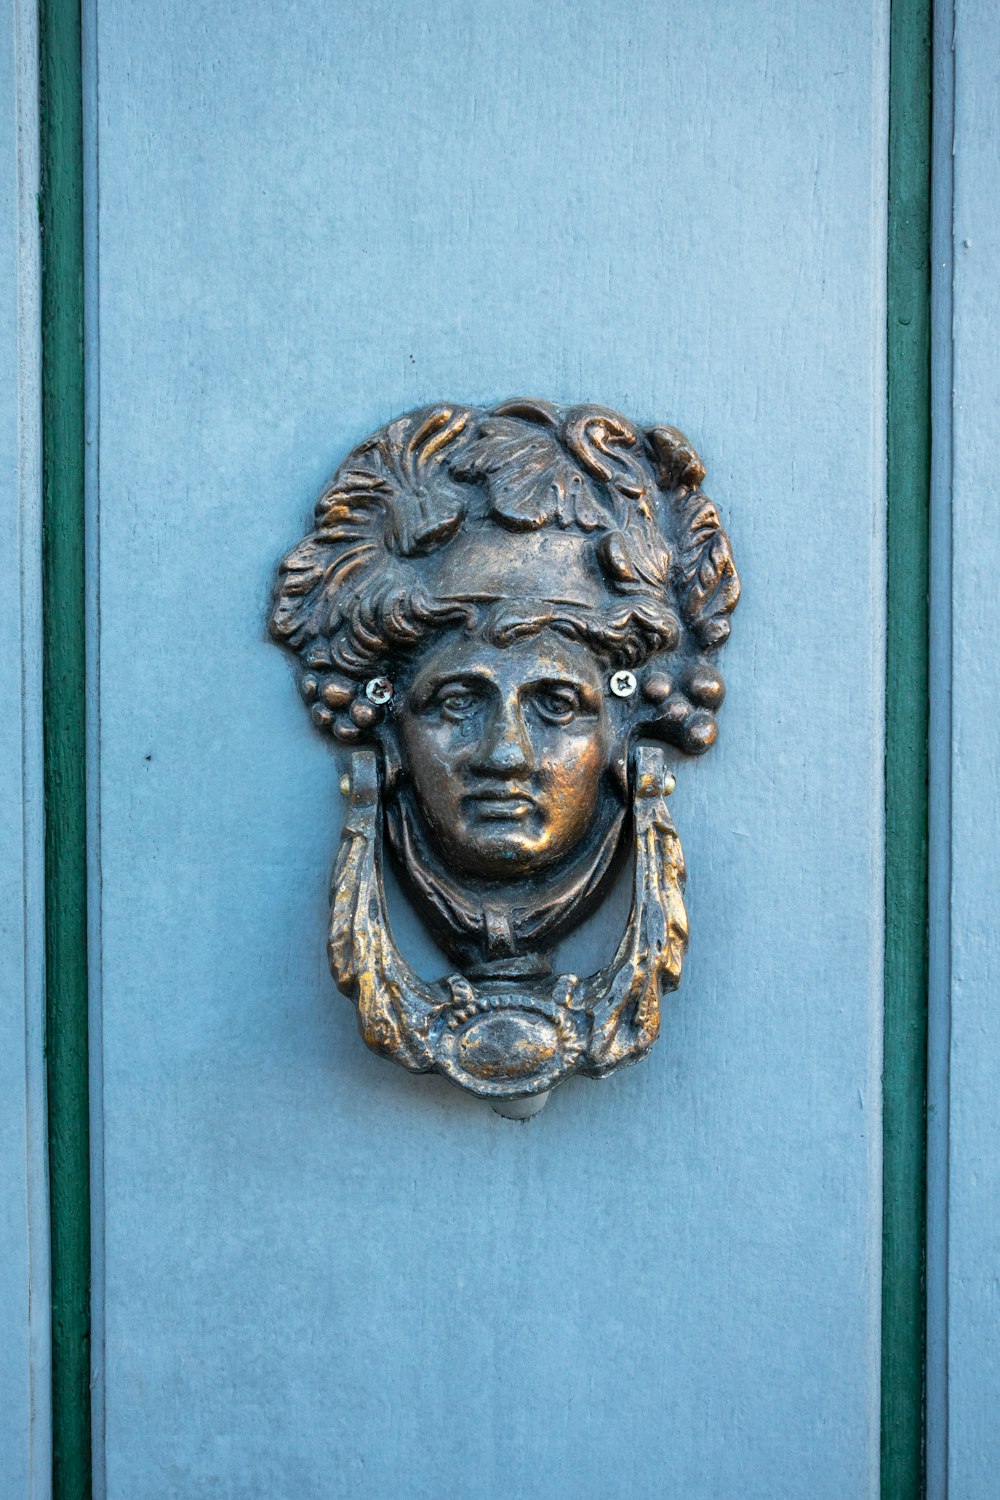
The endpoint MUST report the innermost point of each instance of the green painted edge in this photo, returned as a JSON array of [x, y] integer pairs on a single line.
[[906, 757], [64, 700]]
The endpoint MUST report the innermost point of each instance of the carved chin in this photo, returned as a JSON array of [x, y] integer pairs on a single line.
[[502, 848]]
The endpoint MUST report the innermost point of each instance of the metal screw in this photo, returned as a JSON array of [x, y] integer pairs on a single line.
[[649, 785], [378, 691], [623, 684]]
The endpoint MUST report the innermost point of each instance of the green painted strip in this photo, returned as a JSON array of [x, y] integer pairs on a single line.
[[906, 763], [64, 668]]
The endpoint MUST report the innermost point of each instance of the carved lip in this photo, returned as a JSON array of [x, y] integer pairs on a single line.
[[501, 805]]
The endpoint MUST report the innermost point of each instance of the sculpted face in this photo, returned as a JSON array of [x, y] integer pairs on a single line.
[[506, 746]]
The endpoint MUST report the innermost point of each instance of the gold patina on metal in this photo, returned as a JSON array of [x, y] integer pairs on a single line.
[[507, 606]]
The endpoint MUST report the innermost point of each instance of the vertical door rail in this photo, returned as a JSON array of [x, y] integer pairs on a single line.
[[63, 674], [904, 1084]]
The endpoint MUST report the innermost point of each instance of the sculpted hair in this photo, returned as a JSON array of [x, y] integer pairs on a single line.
[[356, 594]]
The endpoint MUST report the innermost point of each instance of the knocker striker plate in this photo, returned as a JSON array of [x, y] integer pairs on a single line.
[[508, 604]]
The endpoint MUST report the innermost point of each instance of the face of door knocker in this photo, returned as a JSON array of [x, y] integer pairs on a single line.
[[505, 607]]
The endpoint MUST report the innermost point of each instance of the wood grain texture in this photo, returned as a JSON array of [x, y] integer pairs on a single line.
[[908, 484], [24, 1287], [324, 1277], [973, 1440]]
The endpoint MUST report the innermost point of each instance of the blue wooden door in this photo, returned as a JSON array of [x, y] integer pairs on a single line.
[[320, 1276], [313, 1275]]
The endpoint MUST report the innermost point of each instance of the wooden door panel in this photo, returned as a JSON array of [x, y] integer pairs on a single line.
[[321, 1276]]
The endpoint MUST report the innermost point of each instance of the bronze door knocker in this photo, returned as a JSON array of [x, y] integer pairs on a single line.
[[502, 603]]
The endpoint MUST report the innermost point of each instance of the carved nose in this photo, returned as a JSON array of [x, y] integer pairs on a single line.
[[505, 747]]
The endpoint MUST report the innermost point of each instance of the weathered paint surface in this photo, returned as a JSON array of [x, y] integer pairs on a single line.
[[24, 1291], [323, 1277], [973, 1310]]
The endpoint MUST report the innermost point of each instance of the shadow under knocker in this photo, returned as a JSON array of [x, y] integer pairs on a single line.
[[504, 601]]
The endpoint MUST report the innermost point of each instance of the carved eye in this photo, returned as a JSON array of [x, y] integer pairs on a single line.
[[557, 705], [456, 702]]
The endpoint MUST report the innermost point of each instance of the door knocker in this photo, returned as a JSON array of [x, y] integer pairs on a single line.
[[502, 604]]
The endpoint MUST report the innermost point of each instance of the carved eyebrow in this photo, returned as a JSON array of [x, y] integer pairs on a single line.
[[554, 679], [466, 678]]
